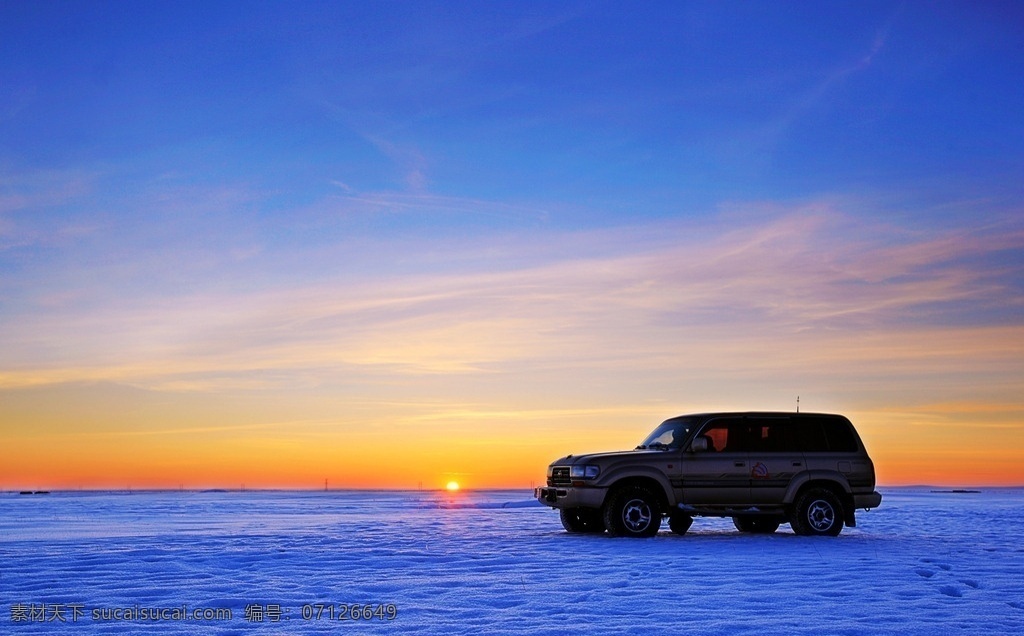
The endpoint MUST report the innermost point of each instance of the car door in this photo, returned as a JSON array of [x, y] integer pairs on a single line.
[[719, 475], [775, 457]]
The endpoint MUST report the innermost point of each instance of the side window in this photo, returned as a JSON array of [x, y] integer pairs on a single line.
[[840, 437], [772, 435], [826, 434], [811, 435], [725, 435]]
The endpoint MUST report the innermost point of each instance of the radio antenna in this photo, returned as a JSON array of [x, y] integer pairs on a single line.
[[798, 404]]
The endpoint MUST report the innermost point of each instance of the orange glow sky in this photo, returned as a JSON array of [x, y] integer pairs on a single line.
[[406, 249]]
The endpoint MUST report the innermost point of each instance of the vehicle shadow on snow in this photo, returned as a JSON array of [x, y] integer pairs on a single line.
[[718, 535]]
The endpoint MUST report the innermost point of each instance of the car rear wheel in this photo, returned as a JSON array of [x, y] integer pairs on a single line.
[[632, 512], [581, 520], [818, 512]]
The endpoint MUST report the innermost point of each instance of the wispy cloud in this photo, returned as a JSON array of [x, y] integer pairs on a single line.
[[37, 194], [427, 204], [816, 93], [809, 291]]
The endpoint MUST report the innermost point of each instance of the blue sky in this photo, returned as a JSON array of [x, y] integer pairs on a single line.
[[649, 108], [353, 213]]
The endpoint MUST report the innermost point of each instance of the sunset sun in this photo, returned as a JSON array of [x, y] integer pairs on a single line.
[[452, 486]]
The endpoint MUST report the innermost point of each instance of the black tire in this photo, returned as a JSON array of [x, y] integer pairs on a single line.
[[680, 523], [756, 525], [581, 520], [818, 513], [632, 512]]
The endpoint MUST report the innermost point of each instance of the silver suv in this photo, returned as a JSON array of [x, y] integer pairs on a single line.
[[762, 469]]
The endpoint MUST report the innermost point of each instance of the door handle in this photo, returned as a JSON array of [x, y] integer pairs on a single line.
[[798, 463], [739, 464]]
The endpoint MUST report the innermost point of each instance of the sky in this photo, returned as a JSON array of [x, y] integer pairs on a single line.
[[393, 245]]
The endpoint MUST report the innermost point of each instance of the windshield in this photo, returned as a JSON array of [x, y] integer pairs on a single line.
[[670, 434]]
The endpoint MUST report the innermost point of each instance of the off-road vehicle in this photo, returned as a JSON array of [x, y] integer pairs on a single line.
[[763, 469]]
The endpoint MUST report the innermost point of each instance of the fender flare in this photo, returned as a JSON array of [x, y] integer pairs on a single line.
[[640, 475], [834, 480], [811, 476]]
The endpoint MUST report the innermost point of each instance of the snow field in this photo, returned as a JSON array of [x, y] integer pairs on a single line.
[[497, 563]]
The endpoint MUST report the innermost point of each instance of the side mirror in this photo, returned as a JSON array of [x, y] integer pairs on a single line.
[[699, 444]]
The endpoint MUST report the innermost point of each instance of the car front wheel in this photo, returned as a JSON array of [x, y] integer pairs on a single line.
[[632, 512]]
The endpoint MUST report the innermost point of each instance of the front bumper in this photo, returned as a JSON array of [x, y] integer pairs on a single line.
[[864, 501], [570, 496]]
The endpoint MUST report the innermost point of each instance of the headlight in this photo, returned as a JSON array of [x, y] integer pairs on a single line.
[[587, 471]]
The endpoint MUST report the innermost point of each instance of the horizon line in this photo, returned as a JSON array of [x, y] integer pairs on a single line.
[[129, 490]]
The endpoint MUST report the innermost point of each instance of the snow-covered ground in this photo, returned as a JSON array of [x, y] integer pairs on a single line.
[[497, 563]]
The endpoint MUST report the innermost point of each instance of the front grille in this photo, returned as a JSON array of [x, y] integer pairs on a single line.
[[559, 476]]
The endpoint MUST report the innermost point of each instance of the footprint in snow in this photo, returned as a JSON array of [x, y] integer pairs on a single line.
[[971, 583], [939, 564], [950, 590], [925, 573]]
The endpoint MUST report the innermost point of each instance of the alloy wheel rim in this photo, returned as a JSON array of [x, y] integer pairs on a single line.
[[636, 514], [821, 515]]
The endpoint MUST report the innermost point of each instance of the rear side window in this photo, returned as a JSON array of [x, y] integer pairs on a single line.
[[780, 434], [825, 434], [839, 435]]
